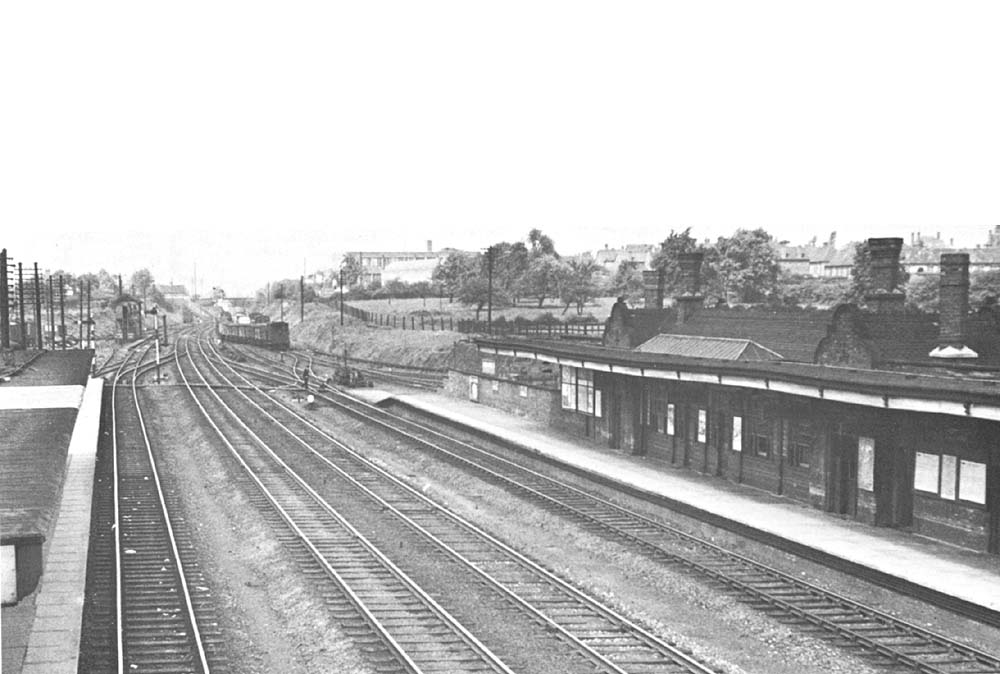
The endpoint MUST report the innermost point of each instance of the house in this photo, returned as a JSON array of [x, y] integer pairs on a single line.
[[172, 292]]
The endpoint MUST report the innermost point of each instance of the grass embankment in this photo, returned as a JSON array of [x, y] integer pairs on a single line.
[[599, 308], [321, 330]]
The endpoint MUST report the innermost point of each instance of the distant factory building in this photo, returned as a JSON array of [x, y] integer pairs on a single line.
[[375, 263]]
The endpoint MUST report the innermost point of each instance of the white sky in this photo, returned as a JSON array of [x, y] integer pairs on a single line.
[[246, 137]]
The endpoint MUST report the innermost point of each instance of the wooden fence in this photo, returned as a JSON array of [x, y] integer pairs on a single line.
[[551, 329]]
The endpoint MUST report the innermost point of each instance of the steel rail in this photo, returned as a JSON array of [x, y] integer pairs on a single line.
[[487, 658], [623, 629], [602, 515], [120, 530]]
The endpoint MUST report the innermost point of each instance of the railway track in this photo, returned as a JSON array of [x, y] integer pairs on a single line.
[[147, 607], [861, 628], [413, 632], [415, 377], [591, 631]]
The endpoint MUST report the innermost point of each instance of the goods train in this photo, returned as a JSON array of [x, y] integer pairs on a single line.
[[268, 335]]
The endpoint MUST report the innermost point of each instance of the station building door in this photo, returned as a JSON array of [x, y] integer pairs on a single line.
[[893, 484], [615, 417], [842, 477]]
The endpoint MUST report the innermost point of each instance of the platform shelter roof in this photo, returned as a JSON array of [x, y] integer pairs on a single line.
[[696, 346], [946, 392]]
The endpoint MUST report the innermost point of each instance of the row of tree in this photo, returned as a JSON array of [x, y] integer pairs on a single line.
[[516, 271], [738, 269]]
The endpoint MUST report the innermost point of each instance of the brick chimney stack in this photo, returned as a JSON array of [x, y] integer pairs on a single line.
[[953, 301], [885, 295], [690, 297], [652, 288]]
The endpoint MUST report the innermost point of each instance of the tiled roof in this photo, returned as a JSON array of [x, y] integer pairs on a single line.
[[722, 348], [794, 334]]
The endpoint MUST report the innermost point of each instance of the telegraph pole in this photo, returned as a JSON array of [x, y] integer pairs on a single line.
[[90, 317], [302, 297], [52, 316], [62, 311], [4, 302], [20, 305], [489, 292], [341, 284], [80, 296], [38, 310]]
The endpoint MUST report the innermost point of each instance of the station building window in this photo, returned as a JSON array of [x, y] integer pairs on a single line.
[[669, 421], [801, 437], [568, 375], [585, 391], [578, 391]]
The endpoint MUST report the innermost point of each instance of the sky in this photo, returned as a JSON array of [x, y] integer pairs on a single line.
[[254, 140]]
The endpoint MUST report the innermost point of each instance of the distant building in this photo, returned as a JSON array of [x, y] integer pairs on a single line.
[[374, 263], [410, 271], [172, 292], [610, 259], [922, 255]]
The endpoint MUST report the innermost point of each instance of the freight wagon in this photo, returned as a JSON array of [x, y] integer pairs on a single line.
[[268, 335]]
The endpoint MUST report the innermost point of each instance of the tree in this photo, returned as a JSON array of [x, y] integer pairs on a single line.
[[577, 284], [450, 271], [627, 282], [105, 281], [541, 244], [352, 270], [984, 288], [510, 263], [922, 292], [142, 281], [667, 258], [746, 265], [475, 291], [542, 278]]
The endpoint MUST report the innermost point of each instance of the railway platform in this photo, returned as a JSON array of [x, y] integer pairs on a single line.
[[894, 557], [49, 423]]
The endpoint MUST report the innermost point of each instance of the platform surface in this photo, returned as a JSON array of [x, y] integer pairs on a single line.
[[41, 474], [966, 574], [38, 409]]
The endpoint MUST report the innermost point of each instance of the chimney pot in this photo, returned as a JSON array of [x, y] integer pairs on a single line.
[[690, 297], [652, 284], [954, 307], [885, 294]]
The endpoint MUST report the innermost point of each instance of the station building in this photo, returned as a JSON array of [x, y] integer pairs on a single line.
[[883, 415]]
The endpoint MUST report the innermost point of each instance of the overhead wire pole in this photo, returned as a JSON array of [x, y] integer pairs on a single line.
[[52, 316], [80, 297], [4, 302], [20, 306], [39, 330], [62, 312], [90, 317]]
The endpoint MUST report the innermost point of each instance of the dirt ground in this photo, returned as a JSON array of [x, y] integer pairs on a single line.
[[272, 619]]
